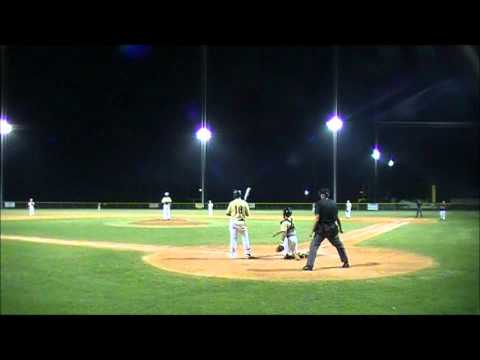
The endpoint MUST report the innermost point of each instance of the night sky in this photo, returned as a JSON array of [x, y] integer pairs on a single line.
[[117, 123]]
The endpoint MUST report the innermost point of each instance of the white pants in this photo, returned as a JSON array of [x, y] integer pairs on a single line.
[[443, 214], [210, 211], [166, 212], [348, 213], [31, 211], [290, 245], [238, 227]]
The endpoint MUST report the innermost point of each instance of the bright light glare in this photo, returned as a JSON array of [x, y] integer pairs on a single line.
[[203, 134], [335, 124], [306, 192], [390, 163], [5, 127], [375, 154]]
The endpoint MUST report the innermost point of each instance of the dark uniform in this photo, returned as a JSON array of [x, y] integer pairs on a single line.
[[419, 209], [326, 227]]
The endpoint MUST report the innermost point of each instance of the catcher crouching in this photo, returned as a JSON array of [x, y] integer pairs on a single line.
[[288, 241]]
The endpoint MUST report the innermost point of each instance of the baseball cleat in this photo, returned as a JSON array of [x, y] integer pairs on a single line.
[[346, 265], [297, 257], [250, 256], [288, 257], [307, 268]]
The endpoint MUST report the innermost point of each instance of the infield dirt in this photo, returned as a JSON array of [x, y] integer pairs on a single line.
[[213, 261]]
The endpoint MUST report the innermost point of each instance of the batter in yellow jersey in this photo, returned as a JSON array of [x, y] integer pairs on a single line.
[[238, 211]]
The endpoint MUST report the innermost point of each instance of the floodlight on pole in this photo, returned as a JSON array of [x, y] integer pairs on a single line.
[[5, 127], [204, 135], [334, 125], [391, 163], [306, 192], [375, 156]]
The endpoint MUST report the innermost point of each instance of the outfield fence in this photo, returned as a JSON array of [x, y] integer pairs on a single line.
[[410, 206]]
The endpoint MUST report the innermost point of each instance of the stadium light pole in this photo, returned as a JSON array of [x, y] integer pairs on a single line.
[[204, 135], [376, 156], [5, 129], [334, 125]]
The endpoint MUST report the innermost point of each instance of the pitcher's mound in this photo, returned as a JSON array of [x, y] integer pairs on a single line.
[[177, 222]]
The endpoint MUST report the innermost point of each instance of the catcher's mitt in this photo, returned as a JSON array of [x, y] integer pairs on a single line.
[[279, 248]]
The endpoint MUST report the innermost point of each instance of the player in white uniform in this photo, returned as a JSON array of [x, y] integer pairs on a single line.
[[443, 211], [167, 202], [210, 208], [31, 207], [348, 209], [238, 211]]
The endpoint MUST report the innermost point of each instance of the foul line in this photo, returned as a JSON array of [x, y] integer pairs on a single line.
[[352, 238]]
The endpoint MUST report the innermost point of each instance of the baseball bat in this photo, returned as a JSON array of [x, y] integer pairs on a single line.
[[247, 192]]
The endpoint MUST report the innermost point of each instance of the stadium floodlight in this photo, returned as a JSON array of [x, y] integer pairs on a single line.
[[334, 124], [5, 127], [375, 154], [203, 134], [306, 192], [391, 163]]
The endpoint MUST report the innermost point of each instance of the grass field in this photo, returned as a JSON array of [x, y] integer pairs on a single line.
[[55, 279]]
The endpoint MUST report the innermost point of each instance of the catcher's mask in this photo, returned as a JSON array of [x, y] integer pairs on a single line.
[[287, 212]]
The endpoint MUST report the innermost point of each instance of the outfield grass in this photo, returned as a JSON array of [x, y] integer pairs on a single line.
[[50, 279]]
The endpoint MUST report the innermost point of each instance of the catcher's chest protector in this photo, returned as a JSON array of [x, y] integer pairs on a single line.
[[290, 226]]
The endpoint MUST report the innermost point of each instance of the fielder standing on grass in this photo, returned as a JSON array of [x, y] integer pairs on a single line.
[[167, 202], [326, 217], [443, 211], [419, 208], [348, 210], [210, 208], [238, 211], [31, 207]]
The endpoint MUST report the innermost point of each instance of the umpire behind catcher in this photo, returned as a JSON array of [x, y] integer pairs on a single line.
[[326, 217]]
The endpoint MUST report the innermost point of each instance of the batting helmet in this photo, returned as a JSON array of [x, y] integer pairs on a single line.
[[237, 194], [287, 212]]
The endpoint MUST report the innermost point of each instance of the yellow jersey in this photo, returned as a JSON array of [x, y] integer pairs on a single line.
[[238, 209]]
